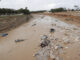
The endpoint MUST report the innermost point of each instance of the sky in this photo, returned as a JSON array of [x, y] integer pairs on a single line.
[[34, 5]]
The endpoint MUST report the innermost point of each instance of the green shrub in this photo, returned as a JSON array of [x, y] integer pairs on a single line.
[[58, 10]]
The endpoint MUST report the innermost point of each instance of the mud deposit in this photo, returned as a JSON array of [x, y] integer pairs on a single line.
[[29, 36]]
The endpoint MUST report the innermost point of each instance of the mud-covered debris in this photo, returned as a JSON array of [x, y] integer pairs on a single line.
[[52, 56], [44, 37], [34, 25], [75, 28], [53, 24], [52, 30], [55, 39], [57, 47], [19, 40], [66, 47], [44, 41], [3, 34], [36, 54], [42, 54], [58, 58], [66, 41]]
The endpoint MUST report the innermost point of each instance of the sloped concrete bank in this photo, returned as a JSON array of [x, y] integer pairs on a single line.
[[9, 22]]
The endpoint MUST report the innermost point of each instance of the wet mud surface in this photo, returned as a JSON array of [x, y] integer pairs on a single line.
[[31, 32]]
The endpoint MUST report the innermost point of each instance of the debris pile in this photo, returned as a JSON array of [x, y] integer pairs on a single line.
[[44, 41], [52, 30], [19, 40], [3, 34], [49, 49], [34, 25], [54, 45], [66, 41]]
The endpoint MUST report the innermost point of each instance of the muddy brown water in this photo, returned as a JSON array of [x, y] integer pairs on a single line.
[[31, 32]]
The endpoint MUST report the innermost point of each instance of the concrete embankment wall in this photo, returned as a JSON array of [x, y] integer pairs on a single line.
[[9, 22]]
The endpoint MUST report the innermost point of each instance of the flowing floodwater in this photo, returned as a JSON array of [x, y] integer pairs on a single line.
[[32, 31]]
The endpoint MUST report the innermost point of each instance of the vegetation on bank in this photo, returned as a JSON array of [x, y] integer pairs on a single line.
[[76, 8], [7, 11], [40, 11], [58, 10]]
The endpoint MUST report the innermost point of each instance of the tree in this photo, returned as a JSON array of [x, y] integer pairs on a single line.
[[76, 7], [24, 11], [4, 11], [72, 10], [58, 10]]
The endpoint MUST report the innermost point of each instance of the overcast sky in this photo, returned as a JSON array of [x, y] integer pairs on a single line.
[[38, 4]]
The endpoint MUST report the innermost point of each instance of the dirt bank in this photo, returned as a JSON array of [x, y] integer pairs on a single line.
[[68, 17], [9, 22]]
